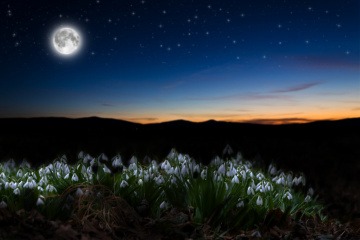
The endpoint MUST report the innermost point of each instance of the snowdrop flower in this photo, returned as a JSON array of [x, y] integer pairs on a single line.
[[203, 173], [307, 198], [39, 202], [25, 164], [216, 161], [133, 166], [79, 192], [311, 191], [221, 169], [163, 205], [259, 201], [123, 184], [184, 170], [3, 204], [12, 185], [240, 204], [235, 179], [74, 178], [50, 188], [30, 183], [159, 180], [140, 182], [272, 169], [16, 191], [297, 180], [243, 174], [172, 154], [103, 158], [250, 191], [231, 172], [133, 160], [106, 169], [288, 195], [19, 173], [116, 162], [165, 165], [40, 189], [260, 176], [67, 176]]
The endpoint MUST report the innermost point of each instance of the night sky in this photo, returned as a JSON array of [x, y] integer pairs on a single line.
[[268, 61]]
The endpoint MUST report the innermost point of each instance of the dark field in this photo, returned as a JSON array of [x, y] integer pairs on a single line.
[[328, 152]]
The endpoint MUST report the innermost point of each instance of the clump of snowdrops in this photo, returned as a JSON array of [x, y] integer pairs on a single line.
[[226, 193]]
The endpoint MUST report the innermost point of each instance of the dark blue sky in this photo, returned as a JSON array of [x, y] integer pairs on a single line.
[[151, 61]]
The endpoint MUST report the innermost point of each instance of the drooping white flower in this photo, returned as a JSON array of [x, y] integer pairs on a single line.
[[231, 172], [117, 162], [67, 176], [203, 173], [272, 169], [260, 176], [222, 169], [259, 201], [19, 173], [79, 192], [159, 180], [288, 195], [307, 198], [3, 204], [123, 184], [50, 188], [184, 170], [140, 182], [250, 191], [39, 202], [106, 169], [16, 191], [311, 191], [240, 204], [163, 205], [13, 185], [74, 178], [235, 179]]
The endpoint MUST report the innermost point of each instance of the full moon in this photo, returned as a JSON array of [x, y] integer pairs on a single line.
[[66, 41]]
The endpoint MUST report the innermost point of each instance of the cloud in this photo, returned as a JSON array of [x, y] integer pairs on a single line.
[[356, 109], [296, 88], [173, 85], [245, 96], [107, 105], [278, 120], [327, 62], [142, 120]]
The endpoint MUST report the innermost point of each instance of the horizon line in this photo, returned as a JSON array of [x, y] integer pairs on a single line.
[[259, 121]]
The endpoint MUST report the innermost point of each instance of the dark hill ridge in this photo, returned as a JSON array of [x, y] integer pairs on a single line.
[[41, 139]]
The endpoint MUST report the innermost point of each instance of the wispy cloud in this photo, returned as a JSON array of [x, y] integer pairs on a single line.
[[327, 62], [278, 120], [142, 120], [173, 85], [356, 109], [297, 88], [107, 105], [245, 96]]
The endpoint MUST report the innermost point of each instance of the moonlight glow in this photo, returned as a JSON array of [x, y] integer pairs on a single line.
[[66, 41]]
